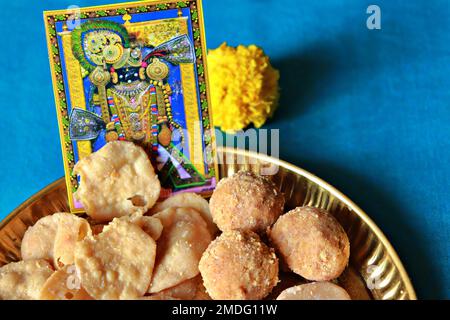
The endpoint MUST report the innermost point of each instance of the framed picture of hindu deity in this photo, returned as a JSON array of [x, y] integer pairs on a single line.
[[136, 72]]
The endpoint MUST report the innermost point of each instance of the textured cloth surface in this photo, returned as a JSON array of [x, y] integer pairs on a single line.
[[366, 110]]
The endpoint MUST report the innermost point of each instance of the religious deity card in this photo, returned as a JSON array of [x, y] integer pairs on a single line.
[[134, 72]]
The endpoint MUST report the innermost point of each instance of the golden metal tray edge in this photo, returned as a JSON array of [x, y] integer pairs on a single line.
[[394, 281], [355, 208]]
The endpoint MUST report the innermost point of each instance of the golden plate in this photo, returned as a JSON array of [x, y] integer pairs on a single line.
[[378, 270]]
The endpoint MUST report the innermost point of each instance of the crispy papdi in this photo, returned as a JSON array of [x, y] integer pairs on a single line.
[[24, 280], [38, 240], [117, 180], [315, 291], [64, 284], [117, 263], [188, 200], [184, 238], [71, 229], [151, 225], [53, 238]]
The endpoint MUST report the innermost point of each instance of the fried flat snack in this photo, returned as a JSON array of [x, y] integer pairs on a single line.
[[53, 238], [239, 266], [191, 289], [184, 238], [64, 284], [188, 200], [118, 263], [151, 225], [116, 181], [38, 240], [71, 229], [315, 291], [23, 280]]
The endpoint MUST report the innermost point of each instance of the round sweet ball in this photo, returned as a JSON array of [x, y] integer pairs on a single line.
[[246, 201], [312, 243], [315, 291], [239, 266]]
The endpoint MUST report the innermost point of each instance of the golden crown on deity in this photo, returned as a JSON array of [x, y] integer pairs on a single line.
[[102, 43]]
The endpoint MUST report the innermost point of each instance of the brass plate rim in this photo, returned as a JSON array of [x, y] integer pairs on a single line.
[[338, 194], [308, 175]]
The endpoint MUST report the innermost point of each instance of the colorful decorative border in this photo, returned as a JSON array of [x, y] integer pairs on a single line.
[[51, 17]]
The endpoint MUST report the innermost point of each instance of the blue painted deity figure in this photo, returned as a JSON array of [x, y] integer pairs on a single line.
[[131, 97]]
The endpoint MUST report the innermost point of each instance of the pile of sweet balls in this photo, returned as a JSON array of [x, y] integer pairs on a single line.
[[257, 236]]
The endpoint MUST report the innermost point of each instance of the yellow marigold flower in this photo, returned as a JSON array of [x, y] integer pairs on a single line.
[[244, 87]]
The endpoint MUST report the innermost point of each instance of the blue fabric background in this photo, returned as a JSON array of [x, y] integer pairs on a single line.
[[368, 111]]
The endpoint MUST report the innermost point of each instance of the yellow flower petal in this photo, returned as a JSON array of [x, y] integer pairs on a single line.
[[244, 87]]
